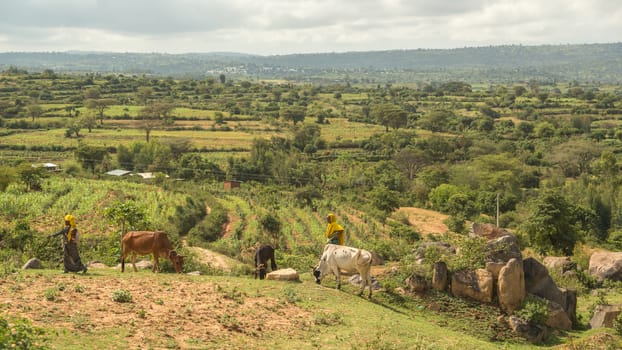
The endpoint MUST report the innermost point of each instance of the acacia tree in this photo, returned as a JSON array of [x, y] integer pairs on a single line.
[[389, 115], [34, 111], [99, 106], [294, 113], [153, 115]]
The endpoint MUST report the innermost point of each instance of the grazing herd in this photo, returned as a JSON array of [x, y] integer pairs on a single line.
[[335, 259]]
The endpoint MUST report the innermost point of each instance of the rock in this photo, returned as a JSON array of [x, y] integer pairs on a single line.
[[416, 283], [356, 280], [439, 276], [97, 265], [488, 231], [376, 259], [288, 274], [494, 268], [195, 273], [538, 282], [604, 315], [606, 265], [560, 263], [33, 263], [477, 285], [535, 334], [511, 286], [140, 265], [557, 317], [502, 249]]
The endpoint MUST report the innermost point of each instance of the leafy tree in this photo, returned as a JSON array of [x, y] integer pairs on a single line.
[[32, 176], [90, 156], [549, 227], [153, 115], [383, 201], [575, 156], [411, 161], [99, 105], [8, 175], [389, 115], [188, 215], [439, 196], [127, 214], [272, 225], [294, 114], [436, 120], [307, 138], [34, 111]]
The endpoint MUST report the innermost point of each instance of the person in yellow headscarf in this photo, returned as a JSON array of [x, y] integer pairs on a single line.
[[334, 232], [71, 258]]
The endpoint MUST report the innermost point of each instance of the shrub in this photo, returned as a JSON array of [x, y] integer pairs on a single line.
[[534, 310], [617, 324], [122, 296], [20, 335]]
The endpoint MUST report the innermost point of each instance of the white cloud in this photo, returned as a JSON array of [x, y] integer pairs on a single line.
[[290, 26]]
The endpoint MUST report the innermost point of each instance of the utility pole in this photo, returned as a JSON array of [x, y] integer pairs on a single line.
[[497, 209]]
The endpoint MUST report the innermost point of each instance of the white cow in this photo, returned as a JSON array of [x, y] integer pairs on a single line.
[[338, 258]]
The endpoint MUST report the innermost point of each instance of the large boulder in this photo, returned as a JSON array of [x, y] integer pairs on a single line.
[[559, 263], [416, 283], [502, 249], [477, 285], [606, 265], [488, 231], [557, 317], [288, 274], [511, 286], [604, 315], [439, 276], [538, 282]]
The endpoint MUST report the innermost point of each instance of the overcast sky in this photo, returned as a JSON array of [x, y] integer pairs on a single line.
[[269, 27]]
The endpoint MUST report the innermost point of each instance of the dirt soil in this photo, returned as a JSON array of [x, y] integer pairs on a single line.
[[163, 312], [425, 221]]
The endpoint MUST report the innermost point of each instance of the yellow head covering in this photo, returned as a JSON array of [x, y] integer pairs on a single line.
[[333, 227], [72, 223]]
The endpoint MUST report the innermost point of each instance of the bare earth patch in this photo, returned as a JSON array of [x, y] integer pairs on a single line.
[[425, 221], [187, 312]]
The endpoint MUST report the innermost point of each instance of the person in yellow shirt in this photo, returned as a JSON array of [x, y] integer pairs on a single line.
[[334, 232]]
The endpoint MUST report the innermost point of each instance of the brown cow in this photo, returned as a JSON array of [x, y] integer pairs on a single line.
[[150, 242]]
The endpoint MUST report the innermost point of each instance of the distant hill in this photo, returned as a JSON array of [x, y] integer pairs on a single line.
[[511, 63]]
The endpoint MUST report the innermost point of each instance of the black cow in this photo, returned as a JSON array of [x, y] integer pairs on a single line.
[[262, 255]]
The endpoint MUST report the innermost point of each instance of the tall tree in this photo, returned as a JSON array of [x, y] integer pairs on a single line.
[[153, 115]]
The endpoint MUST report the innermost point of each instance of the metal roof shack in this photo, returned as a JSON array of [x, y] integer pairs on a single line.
[[118, 172]]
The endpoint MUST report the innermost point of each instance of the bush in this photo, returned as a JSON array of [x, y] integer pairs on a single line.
[[122, 296], [617, 324], [20, 335], [534, 310]]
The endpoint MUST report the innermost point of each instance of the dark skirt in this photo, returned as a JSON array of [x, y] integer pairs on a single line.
[[71, 258]]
